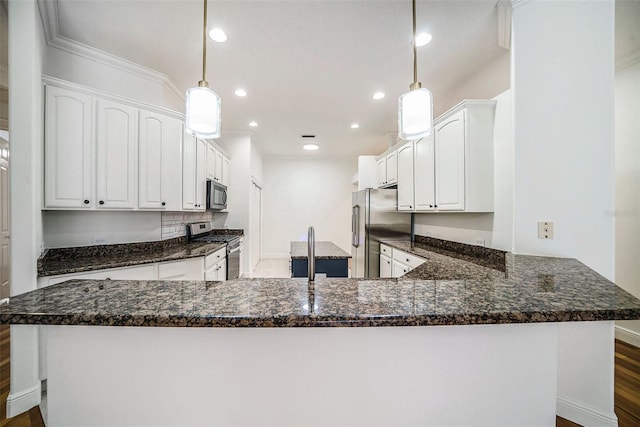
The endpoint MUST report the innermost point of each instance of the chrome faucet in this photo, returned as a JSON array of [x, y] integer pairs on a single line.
[[311, 254]]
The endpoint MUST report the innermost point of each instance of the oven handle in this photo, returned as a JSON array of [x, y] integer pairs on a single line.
[[234, 250]]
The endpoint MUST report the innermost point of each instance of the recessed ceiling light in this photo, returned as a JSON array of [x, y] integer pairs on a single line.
[[240, 92], [311, 147], [253, 124], [378, 95], [355, 126], [423, 39], [217, 35]]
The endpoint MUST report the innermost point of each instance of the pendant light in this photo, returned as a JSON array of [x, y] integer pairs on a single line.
[[415, 108], [203, 104]]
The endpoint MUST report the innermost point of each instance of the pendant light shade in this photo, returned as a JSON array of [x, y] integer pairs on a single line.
[[203, 112], [415, 114], [415, 108]]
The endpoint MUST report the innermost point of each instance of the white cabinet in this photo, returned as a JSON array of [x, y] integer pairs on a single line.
[[395, 262], [226, 162], [385, 266], [116, 154], [453, 169], [184, 269], [424, 174], [211, 161], [387, 169], [104, 154], [160, 162], [219, 166], [68, 170], [216, 266], [405, 177], [194, 173]]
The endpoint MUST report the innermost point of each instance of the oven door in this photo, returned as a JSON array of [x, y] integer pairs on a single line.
[[216, 195], [233, 263]]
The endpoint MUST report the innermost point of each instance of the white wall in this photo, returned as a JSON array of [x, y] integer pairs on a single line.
[[495, 229], [563, 121], [103, 72], [485, 83], [26, 62], [301, 192], [627, 212]]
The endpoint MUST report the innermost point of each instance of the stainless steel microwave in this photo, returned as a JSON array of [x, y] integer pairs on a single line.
[[216, 195]]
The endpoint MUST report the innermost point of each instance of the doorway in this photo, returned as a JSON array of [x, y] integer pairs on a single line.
[[255, 224]]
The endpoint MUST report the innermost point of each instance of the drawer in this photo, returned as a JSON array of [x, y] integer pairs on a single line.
[[214, 258], [387, 250], [407, 258]]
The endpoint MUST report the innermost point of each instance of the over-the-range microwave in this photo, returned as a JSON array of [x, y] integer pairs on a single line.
[[216, 195]]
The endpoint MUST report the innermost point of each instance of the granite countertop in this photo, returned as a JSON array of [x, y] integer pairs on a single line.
[[534, 289], [323, 250], [89, 258]]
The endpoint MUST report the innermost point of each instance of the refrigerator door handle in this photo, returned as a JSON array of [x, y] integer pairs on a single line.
[[355, 226]]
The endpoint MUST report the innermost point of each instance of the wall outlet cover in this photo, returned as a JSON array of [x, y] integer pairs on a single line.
[[545, 230]]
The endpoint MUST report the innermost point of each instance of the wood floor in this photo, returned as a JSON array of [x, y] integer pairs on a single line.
[[627, 388]]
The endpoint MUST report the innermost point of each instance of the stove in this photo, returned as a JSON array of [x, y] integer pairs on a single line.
[[202, 232]]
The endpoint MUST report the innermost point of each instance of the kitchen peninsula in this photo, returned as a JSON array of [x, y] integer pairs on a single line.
[[258, 351]]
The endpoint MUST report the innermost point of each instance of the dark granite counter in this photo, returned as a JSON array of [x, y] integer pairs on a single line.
[[90, 258], [535, 289], [323, 250]]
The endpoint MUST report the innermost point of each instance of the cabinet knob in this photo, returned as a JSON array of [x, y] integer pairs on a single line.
[[101, 202], [407, 259], [86, 202], [164, 204], [430, 206], [410, 207]]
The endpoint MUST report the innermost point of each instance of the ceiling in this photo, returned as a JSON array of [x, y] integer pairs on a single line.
[[308, 66]]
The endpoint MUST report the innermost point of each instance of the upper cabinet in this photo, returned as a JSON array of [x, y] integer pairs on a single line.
[[116, 146], [68, 150], [387, 169], [108, 153], [453, 168], [160, 160]]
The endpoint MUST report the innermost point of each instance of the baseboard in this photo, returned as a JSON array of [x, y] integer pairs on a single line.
[[583, 414], [628, 336], [23, 400]]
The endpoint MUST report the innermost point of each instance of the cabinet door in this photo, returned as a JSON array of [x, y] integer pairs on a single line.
[[405, 178], [68, 145], [385, 266], [189, 172], [159, 162], [219, 161], [392, 168], [211, 161], [381, 171], [116, 148], [222, 270], [424, 174], [398, 269], [225, 170], [201, 174], [449, 155]]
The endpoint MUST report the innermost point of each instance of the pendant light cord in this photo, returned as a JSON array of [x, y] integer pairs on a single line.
[[204, 43], [415, 56]]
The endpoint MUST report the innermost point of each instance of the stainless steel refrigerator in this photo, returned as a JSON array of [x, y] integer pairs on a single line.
[[374, 216]]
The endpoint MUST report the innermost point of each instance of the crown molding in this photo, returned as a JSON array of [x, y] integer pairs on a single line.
[[628, 61], [49, 17]]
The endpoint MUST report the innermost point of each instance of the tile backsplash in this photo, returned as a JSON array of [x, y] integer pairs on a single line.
[[173, 223]]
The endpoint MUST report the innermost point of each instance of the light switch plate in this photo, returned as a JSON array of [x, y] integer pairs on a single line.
[[545, 230]]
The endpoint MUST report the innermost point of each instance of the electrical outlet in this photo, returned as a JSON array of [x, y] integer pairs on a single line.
[[480, 242], [99, 240], [545, 230]]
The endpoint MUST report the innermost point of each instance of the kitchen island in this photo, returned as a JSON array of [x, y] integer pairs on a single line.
[[330, 260], [282, 352]]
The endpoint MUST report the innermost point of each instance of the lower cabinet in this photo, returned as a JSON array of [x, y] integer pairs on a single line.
[[216, 266], [396, 263], [185, 269]]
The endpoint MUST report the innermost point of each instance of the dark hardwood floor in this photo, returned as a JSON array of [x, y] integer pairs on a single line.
[[627, 388]]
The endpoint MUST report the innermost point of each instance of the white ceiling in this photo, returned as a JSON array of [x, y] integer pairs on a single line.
[[309, 66]]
